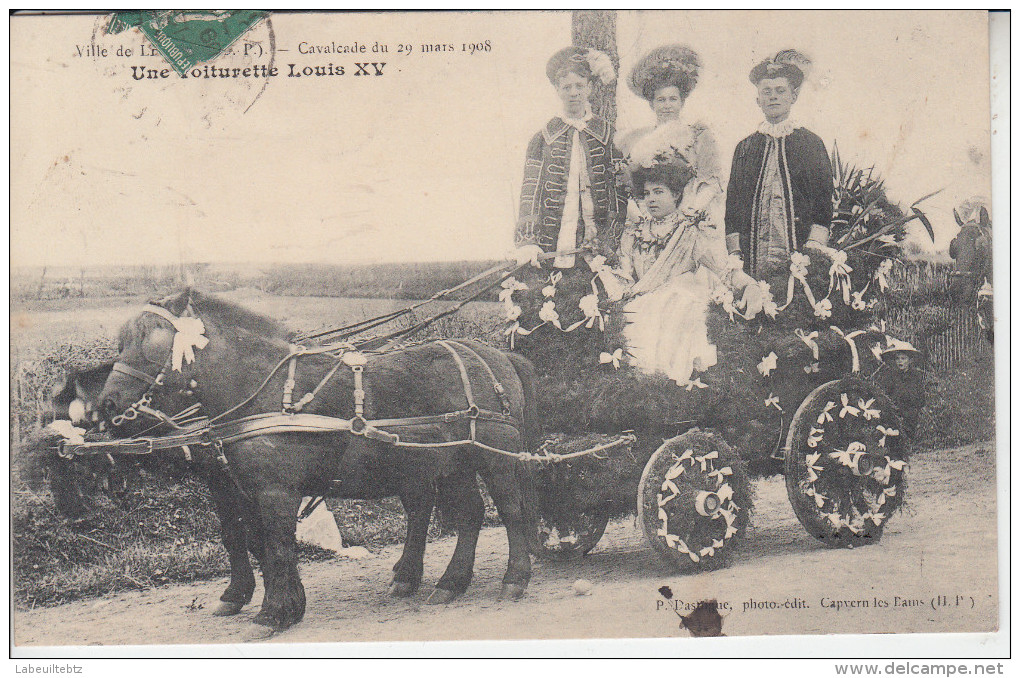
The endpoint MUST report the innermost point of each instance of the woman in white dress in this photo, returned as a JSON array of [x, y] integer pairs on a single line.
[[676, 261]]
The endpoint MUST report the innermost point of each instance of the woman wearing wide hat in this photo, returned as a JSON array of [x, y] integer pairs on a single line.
[[665, 77], [675, 261]]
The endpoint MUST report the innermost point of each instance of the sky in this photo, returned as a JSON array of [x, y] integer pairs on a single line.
[[425, 161]]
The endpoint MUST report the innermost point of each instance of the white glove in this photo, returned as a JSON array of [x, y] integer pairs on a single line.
[[819, 247], [528, 254]]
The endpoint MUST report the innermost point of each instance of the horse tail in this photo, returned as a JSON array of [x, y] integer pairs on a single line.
[[531, 434]]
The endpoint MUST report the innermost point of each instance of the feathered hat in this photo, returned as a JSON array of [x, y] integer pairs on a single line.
[[587, 63], [675, 65], [789, 64]]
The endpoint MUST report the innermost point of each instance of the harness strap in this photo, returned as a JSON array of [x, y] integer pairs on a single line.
[[466, 381], [496, 386], [310, 396], [124, 368], [288, 385]]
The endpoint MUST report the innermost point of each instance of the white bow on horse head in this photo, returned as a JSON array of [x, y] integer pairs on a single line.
[[189, 335]]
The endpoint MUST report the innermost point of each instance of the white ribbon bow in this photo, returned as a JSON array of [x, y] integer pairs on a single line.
[[812, 460], [839, 275], [849, 339], [615, 357], [867, 411], [809, 339], [885, 432], [719, 474], [704, 459], [825, 415], [190, 335], [847, 407], [768, 363]]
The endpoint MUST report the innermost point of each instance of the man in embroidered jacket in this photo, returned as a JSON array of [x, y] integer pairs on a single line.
[[779, 198], [569, 196]]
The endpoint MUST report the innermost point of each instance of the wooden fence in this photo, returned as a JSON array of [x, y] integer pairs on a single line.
[[945, 336]]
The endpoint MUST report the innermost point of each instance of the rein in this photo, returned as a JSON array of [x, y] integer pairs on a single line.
[[216, 432]]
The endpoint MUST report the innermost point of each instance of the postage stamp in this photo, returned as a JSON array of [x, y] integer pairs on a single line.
[[187, 38]]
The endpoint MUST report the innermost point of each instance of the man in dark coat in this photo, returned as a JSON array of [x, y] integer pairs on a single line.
[[569, 195], [779, 198]]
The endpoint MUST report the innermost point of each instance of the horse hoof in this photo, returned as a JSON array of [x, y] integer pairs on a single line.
[[257, 632], [226, 609], [440, 597], [511, 592], [402, 589]]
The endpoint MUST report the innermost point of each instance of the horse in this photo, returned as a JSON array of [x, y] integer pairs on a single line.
[[971, 250], [192, 347]]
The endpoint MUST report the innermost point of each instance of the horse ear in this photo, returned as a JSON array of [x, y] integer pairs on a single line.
[[985, 220], [959, 221], [175, 303]]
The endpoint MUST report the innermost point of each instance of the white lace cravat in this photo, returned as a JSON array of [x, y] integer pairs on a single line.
[[780, 129]]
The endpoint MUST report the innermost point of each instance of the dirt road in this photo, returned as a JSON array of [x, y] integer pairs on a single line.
[[943, 544]]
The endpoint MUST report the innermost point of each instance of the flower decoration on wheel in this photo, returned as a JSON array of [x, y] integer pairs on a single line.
[[696, 507]]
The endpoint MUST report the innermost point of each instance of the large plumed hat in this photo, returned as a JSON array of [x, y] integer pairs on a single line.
[[675, 65], [789, 64], [587, 63]]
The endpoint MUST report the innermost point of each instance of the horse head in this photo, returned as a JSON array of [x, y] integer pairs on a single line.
[[156, 351], [971, 251]]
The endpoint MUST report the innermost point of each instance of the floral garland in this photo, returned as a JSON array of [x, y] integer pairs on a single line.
[[594, 306], [727, 509], [819, 462]]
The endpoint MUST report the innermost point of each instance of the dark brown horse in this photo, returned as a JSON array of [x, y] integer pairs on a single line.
[[257, 483], [971, 250]]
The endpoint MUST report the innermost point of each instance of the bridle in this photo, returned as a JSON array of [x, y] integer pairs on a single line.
[[142, 406]]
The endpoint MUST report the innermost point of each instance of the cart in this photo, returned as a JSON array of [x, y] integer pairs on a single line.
[[792, 393]]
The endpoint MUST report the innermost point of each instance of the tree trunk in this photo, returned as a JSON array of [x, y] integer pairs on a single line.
[[596, 29]]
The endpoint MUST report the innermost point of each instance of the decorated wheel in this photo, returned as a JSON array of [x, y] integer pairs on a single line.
[[845, 463], [567, 539], [694, 500]]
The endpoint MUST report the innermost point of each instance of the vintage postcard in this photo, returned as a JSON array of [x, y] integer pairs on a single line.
[[358, 327]]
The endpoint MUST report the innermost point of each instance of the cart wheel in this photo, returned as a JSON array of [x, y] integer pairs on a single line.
[[845, 463], [694, 500], [564, 541]]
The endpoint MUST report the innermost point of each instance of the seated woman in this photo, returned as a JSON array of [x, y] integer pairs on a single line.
[[675, 261]]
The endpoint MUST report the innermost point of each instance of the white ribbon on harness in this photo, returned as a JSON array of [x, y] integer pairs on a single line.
[[190, 334]]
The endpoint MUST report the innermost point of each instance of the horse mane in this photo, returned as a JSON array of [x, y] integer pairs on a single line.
[[237, 316]]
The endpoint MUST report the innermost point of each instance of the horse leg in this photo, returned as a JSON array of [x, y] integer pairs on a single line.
[[235, 541], [284, 601], [461, 503], [408, 570], [507, 493]]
